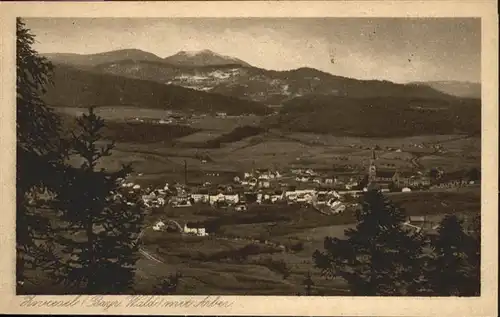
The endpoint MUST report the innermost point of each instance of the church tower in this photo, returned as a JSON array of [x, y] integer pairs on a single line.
[[372, 169]]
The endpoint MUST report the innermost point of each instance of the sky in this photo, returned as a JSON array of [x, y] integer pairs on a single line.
[[396, 49]]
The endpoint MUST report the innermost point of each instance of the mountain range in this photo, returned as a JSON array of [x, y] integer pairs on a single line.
[[212, 72], [311, 100], [182, 58]]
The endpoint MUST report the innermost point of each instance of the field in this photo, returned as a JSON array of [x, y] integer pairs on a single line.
[[159, 150], [201, 260], [157, 159], [214, 265]]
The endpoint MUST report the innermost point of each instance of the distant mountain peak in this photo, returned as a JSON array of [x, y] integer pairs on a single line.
[[203, 57], [198, 52], [103, 57]]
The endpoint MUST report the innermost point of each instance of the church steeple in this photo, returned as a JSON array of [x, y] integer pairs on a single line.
[[372, 169]]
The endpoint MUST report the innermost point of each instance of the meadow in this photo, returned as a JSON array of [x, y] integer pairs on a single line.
[[158, 151], [200, 260], [213, 265]]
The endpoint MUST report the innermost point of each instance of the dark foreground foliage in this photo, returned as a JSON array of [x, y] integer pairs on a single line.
[[381, 257]]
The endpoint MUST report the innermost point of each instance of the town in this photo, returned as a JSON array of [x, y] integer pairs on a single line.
[[329, 193]]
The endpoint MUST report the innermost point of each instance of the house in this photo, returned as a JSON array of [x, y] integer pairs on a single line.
[[310, 172], [277, 196], [160, 201], [304, 197], [336, 206], [231, 198], [252, 182], [290, 195], [332, 201], [264, 184], [200, 197], [212, 199], [240, 207], [317, 180], [328, 181], [265, 176], [159, 226], [321, 199], [197, 231], [303, 179], [228, 197], [248, 197], [181, 203], [306, 191]]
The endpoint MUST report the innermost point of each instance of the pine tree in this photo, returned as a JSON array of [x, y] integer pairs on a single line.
[[474, 257], [379, 256], [39, 154], [102, 220], [454, 267]]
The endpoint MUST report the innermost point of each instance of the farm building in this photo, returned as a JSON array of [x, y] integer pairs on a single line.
[[198, 231]]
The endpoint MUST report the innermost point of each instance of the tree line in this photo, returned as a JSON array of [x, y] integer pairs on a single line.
[[83, 236]]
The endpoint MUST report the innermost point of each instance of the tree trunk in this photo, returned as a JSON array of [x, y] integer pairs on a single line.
[[90, 245]]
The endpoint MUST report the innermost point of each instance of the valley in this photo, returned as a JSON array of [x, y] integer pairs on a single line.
[[215, 264], [207, 134]]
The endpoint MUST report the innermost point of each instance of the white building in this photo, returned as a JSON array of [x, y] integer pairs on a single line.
[[228, 198], [276, 197], [159, 226], [201, 232], [336, 206], [264, 183], [232, 198], [304, 197], [200, 198]]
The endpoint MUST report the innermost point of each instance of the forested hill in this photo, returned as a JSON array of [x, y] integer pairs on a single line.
[[81, 88], [379, 117]]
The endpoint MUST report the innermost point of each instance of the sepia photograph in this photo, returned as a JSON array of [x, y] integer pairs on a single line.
[[248, 162], [257, 156]]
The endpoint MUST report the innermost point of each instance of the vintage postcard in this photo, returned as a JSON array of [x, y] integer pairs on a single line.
[[250, 158]]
